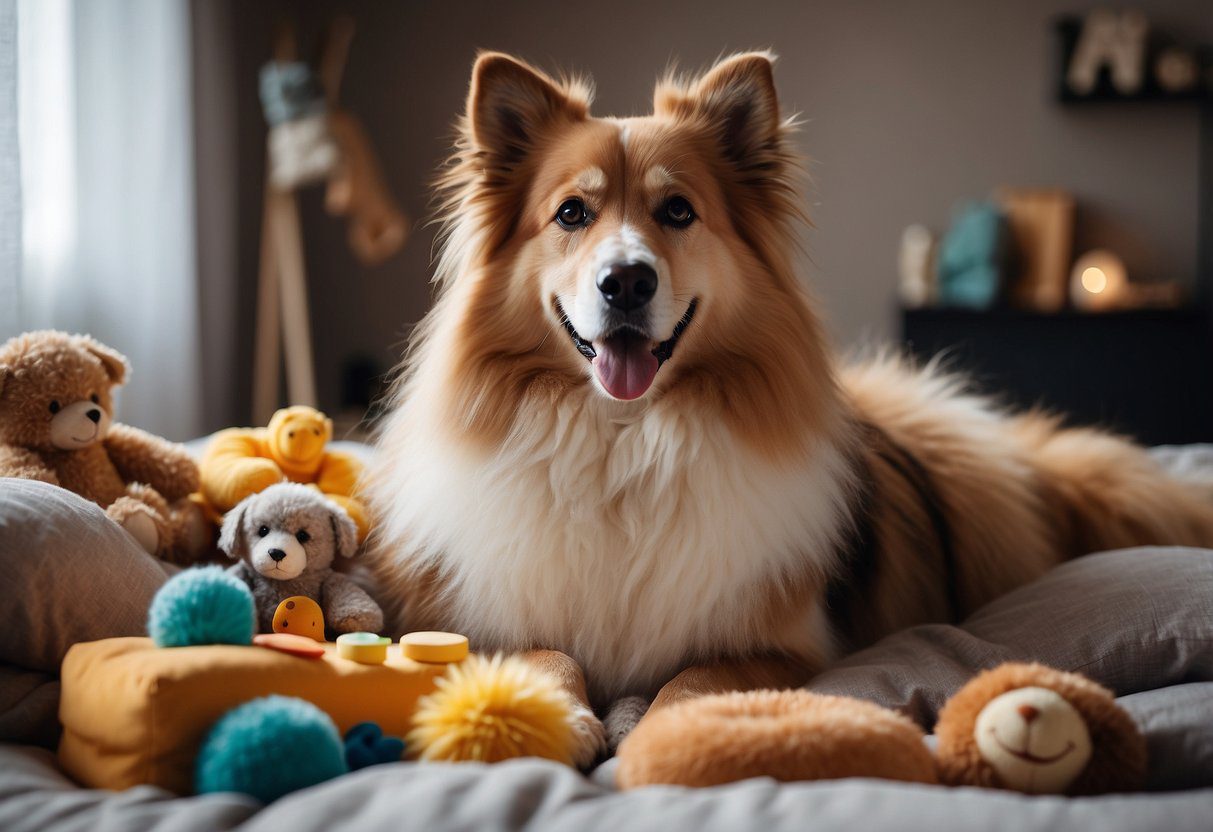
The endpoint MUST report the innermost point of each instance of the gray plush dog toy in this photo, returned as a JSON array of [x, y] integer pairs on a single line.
[[286, 538]]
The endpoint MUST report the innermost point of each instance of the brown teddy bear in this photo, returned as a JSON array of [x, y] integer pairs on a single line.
[[1024, 727], [56, 411]]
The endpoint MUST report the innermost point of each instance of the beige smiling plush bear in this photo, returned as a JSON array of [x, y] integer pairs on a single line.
[[56, 425], [1033, 729]]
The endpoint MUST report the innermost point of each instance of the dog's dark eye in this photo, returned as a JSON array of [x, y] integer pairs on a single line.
[[263, 531], [302, 536], [572, 215], [95, 399], [677, 212], [54, 406]]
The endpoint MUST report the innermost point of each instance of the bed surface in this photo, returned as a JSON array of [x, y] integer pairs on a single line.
[[1138, 621]]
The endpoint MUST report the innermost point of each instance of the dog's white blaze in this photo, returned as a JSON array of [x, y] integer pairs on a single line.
[[636, 541], [587, 309]]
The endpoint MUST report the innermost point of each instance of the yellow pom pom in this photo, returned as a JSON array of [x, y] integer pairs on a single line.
[[490, 710]]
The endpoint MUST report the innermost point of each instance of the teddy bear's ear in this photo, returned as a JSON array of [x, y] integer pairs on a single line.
[[345, 533], [115, 363], [231, 537]]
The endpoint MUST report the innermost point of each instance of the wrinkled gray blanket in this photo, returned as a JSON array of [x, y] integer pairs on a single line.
[[1138, 621]]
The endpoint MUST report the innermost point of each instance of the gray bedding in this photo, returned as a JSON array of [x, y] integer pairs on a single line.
[[1138, 621]]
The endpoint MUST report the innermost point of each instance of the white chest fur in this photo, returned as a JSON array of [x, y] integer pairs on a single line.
[[634, 545]]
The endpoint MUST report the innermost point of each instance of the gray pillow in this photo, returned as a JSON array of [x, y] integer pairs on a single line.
[[1132, 620], [1136, 621]]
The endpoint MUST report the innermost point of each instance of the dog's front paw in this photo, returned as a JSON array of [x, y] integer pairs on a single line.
[[589, 737]]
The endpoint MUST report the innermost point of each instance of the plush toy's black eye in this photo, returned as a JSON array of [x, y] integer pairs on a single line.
[[677, 212], [302, 536], [316, 431], [263, 531], [95, 399], [290, 435], [572, 215], [54, 406]]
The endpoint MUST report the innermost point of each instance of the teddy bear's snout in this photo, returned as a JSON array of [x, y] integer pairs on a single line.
[[78, 425], [279, 556]]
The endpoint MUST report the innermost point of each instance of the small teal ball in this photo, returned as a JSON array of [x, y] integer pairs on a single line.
[[202, 606], [270, 747]]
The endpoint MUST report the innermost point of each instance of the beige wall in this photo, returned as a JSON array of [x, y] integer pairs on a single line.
[[908, 107]]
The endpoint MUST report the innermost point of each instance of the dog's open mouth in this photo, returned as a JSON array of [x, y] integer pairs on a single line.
[[626, 361]]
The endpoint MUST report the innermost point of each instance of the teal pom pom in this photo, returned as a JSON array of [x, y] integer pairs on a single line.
[[202, 606], [270, 747]]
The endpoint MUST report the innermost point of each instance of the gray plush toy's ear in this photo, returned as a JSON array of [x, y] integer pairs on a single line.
[[345, 533], [231, 534]]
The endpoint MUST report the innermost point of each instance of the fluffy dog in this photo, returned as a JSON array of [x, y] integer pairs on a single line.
[[285, 539], [620, 439]]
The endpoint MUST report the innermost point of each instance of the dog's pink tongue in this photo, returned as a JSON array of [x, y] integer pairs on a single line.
[[625, 365]]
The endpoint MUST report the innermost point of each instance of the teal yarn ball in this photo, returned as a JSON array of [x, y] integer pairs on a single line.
[[202, 606], [270, 747]]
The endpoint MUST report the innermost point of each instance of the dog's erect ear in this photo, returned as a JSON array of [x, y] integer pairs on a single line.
[[737, 96], [511, 105], [116, 365], [231, 534], [345, 533]]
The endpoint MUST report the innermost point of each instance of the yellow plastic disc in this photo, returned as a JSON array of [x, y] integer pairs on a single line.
[[364, 648], [434, 647]]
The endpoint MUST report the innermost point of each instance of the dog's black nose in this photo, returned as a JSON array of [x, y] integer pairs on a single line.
[[95, 415], [277, 554], [627, 286]]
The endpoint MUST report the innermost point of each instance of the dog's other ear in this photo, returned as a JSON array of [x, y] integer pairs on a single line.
[[345, 533], [737, 96], [511, 105], [231, 534], [115, 363]]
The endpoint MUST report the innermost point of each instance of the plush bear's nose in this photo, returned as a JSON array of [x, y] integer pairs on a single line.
[[1028, 713], [95, 415], [277, 554]]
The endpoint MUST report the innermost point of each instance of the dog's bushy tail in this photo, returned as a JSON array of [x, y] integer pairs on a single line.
[[1108, 493]]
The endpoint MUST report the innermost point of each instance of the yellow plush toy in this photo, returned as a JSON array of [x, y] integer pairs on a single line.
[[243, 461]]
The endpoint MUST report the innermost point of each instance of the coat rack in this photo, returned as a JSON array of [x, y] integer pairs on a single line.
[[311, 138]]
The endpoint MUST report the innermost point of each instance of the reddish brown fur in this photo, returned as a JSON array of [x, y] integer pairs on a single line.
[[1019, 494]]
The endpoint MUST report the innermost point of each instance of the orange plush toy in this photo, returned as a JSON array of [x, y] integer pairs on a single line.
[[243, 461], [56, 425], [1022, 727]]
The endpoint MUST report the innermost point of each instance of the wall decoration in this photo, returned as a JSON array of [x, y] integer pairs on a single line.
[[1116, 40], [1111, 55]]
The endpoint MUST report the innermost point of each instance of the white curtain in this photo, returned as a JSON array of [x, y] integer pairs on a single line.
[[107, 192]]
